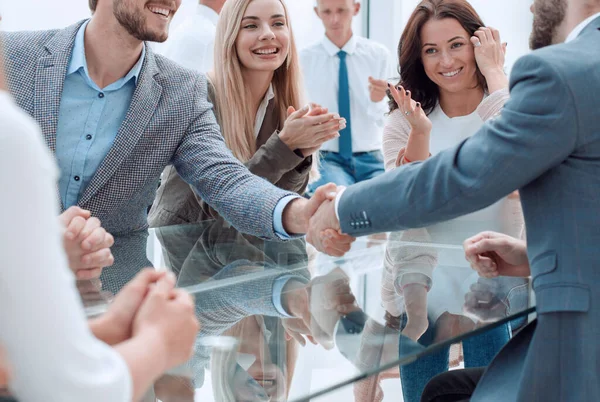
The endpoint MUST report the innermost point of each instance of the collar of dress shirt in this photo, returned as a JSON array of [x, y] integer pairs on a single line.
[[332, 49], [579, 28], [208, 13], [78, 60], [262, 110]]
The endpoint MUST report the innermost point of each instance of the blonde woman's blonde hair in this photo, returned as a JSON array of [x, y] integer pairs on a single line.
[[233, 97]]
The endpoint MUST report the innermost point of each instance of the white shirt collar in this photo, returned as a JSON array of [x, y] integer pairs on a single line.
[[332, 49], [262, 110], [579, 28], [208, 13]]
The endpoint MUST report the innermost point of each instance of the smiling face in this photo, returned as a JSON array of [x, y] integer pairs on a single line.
[[262, 43], [448, 56], [146, 20]]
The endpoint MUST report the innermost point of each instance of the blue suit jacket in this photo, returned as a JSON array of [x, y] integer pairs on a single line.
[[546, 144]]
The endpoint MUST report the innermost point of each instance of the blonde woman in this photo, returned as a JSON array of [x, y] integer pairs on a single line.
[[256, 88]]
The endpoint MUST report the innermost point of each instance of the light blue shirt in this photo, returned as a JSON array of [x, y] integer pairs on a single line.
[[88, 121]]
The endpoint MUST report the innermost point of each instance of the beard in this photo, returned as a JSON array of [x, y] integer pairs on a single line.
[[135, 23], [548, 15]]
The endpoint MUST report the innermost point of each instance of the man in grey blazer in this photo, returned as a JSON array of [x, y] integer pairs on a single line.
[[115, 114], [546, 144]]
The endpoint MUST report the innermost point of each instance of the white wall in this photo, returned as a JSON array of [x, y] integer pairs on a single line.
[[511, 17]]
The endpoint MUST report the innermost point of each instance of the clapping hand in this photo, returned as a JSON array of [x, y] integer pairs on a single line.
[[494, 254], [308, 128], [87, 244], [412, 110], [377, 89]]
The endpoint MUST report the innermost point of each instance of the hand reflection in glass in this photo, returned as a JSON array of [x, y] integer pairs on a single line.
[[483, 304], [319, 306], [4, 371]]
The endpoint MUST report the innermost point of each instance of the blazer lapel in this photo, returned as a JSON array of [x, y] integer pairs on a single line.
[[49, 81], [143, 105]]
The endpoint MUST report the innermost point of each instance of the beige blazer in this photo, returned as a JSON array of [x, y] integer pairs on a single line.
[[177, 203]]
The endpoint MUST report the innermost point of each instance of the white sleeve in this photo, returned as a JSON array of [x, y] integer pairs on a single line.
[[52, 353], [192, 50]]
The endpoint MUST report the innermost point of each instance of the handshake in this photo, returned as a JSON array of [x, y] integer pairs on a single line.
[[317, 218]]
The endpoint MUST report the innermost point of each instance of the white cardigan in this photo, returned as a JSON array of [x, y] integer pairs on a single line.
[[405, 264]]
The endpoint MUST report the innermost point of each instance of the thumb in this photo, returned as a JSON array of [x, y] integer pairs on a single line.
[[165, 284], [298, 113], [324, 192], [290, 110]]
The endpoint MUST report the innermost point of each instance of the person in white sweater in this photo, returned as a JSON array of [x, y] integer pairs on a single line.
[[452, 81], [52, 353]]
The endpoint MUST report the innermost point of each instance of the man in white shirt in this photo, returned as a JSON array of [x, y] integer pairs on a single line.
[[192, 43], [347, 74]]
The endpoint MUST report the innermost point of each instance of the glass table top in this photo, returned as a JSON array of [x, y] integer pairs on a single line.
[[392, 300]]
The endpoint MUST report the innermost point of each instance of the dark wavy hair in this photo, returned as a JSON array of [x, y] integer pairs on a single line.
[[412, 72], [93, 4]]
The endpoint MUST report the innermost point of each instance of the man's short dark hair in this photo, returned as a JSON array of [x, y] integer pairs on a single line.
[[93, 4]]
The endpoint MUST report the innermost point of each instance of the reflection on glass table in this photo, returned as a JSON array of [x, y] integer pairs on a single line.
[[282, 323]]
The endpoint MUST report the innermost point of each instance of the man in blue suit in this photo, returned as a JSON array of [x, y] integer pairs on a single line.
[[546, 144]]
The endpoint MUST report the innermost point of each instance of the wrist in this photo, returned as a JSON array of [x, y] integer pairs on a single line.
[[153, 339], [294, 221], [107, 329], [496, 79], [283, 136]]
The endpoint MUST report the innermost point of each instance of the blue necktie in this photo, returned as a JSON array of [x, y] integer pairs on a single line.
[[345, 141]]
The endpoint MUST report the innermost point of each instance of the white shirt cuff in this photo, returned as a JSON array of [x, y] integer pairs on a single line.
[[337, 203], [278, 294]]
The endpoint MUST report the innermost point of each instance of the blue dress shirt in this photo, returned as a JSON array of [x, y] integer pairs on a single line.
[[89, 120]]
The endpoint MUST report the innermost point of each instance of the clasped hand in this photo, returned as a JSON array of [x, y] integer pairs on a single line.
[[86, 243], [324, 231]]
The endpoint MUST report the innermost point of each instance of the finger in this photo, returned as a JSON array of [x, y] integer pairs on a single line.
[[165, 285], [299, 113], [395, 94], [475, 41], [324, 118], [495, 35], [182, 297], [329, 126], [290, 111], [67, 216], [324, 193], [87, 274], [480, 34], [489, 35], [409, 102], [340, 300], [75, 227], [95, 240], [504, 45], [101, 258], [90, 225], [146, 277]]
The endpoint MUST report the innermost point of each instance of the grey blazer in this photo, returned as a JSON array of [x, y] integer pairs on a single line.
[[170, 121], [176, 202], [546, 144]]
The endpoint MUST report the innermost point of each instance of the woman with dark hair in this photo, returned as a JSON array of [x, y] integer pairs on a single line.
[[452, 81]]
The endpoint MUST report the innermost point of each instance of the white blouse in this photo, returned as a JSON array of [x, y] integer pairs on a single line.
[[52, 353]]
